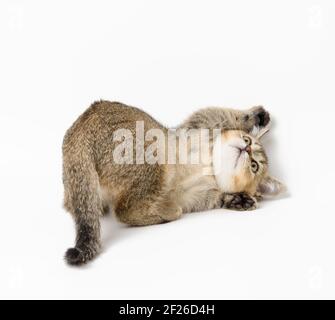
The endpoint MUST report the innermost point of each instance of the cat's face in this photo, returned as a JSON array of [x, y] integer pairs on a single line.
[[241, 165]]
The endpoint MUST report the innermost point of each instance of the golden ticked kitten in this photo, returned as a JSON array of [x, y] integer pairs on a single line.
[[141, 192]]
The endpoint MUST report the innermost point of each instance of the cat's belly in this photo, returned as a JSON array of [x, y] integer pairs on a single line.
[[194, 191]]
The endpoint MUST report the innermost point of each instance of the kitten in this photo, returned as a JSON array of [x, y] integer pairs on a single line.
[[151, 193]]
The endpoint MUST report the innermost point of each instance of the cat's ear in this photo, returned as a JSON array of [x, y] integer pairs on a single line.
[[271, 187], [259, 132]]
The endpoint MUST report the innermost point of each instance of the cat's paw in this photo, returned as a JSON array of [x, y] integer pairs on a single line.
[[239, 201], [258, 116], [171, 214]]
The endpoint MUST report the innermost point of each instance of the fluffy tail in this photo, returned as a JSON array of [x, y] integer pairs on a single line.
[[82, 200]]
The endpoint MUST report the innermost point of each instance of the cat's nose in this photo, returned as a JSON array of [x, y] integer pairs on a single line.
[[248, 149]]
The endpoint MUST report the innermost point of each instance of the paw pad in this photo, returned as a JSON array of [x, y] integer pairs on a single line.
[[241, 201]]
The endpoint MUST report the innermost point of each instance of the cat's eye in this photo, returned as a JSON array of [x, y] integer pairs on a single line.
[[254, 166], [247, 140]]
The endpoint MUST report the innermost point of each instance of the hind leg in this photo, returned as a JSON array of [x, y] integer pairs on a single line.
[[83, 201], [149, 212]]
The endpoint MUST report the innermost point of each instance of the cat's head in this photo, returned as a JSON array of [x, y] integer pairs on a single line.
[[241, 164]]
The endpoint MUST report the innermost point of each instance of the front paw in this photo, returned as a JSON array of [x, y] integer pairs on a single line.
[[239, 201], [258, 116]]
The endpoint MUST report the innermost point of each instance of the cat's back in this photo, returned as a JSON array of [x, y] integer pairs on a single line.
[[121, 115], [111, 115], [98, 123]]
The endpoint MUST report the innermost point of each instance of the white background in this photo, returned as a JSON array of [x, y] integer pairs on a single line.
[[169, 58]]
